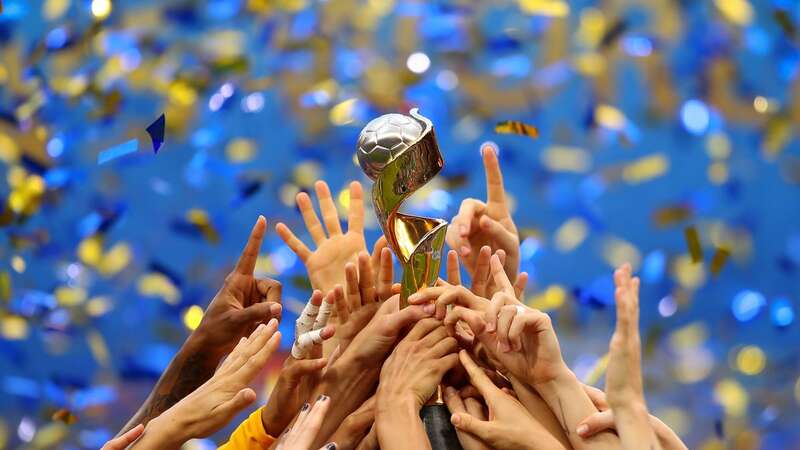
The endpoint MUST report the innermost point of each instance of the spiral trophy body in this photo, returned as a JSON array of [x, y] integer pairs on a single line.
[[400, 154]]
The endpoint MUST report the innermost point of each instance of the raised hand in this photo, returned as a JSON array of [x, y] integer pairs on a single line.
[[127, 438], [490, 223], [509, 425], [409, 377], [211, 406], [603, 420], [358, 302], [238, 307], [311, 327], [306, 427], [334, 249], [624, 374]]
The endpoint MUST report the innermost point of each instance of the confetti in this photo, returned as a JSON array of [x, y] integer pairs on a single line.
[[516, 127], [65, 416], [156, 132], [718, 260], [693, 243], [118, 151]]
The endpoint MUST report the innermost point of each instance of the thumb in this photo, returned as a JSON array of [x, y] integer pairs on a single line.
[[259, 312], [480, 428], [301, 368], [597, 422], [498, 232], [393, 323], [240, 401]]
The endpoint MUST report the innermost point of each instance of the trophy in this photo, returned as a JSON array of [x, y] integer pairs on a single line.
[[400, 154]]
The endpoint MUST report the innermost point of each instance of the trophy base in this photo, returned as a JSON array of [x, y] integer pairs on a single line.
[[441, 432]]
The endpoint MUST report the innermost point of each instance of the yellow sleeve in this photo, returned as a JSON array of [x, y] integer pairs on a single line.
[[249, 435]]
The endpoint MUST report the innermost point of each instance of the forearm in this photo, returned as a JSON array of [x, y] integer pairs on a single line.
[[634, 429], [192, 366], [570, 404], [162, 433], [398, 425]]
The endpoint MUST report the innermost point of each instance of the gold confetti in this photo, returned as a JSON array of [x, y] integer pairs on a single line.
[[64, 415], [571, 234], [645, 169], [719, 259], [597, 371], [5, 286], [693, 243], [672, 214], [155, 284], [516, 127], [98, 347], [566, 159], [549, 8], [739, 12]]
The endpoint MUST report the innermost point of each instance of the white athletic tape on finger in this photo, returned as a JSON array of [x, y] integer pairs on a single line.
[[322, 317], [305, 342], [306, 319], [521, 309]]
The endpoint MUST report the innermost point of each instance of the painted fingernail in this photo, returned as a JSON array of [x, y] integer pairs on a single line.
[[331, 446], [429, 308], [322, 398], [582, 429], [305, 407]]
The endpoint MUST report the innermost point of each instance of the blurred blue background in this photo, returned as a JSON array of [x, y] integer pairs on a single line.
[[654, 117]]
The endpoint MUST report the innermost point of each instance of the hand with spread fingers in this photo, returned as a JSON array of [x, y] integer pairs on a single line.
[[478, 224], [305, 429], [334, 249], [243, 302], [409, 378], [624, 373], [509, 425], [211, 406], [604, 421]]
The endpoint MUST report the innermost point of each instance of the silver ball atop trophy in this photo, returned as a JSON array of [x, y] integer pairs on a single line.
[[383, 139]]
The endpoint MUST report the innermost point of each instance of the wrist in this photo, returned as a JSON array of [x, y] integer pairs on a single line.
[[167, 431], [391, 406], [560, 377]]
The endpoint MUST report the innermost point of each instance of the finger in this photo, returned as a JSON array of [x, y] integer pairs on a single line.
[[537, 321], [446, 346], [426, 295], [257, 313], [423, 328], [122, 442], [297, 246], [479, 428], [325, 311], [249, 256], [634, 295], [328, 208], [595, 423], [235, 405], [453, 270], [264, 347], [499, 276], [433, 336], [370, 441], [472, 318], [392, 324], [309, 315], [375, 257], [453, 401], [355, 220], [302, 368], [478, 378], [258, 337], [520, 284], [385, 274], [310, 218], [231, 360], [308, 340], [495, 193], [269, 289], [507, 314], [444, 364], [366, 281], [597, 396], [351, 283], [480, 280], [474, 408], [341, 304], [313, 422]]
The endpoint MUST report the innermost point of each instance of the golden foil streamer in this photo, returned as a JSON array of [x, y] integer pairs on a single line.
[[719, 259], [516, 127], [693, 242]]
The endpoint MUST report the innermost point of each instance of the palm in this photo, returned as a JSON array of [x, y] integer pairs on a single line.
[[325, 264]]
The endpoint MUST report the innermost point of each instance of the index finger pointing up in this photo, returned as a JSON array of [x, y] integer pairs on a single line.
[[249, 256], [476, 376], [495, 193]]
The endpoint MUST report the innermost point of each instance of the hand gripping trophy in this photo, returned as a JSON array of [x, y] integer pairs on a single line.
[[400, 154]]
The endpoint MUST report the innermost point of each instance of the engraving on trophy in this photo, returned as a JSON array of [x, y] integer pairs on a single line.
[[400, 154]]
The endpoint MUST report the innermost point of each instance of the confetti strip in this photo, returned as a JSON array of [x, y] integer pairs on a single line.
[[5, 286], [118, 151], [693, 242], [516, 127], [597, 371], [65, 416], [719, 259], [670, 215], [156, 132]]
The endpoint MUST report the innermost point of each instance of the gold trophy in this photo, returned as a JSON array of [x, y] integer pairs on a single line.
[[400, 154]]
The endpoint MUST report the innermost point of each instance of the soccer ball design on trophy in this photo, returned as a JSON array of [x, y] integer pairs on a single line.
[[383, 139]]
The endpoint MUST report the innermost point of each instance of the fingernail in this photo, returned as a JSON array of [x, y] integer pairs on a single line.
[[260, 328], [322, 398], [582, 429], [275, 308], [490, 327], [305, 407], [331, 446], [429, 308], [464, 250], [412, 298], [455, 419]]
